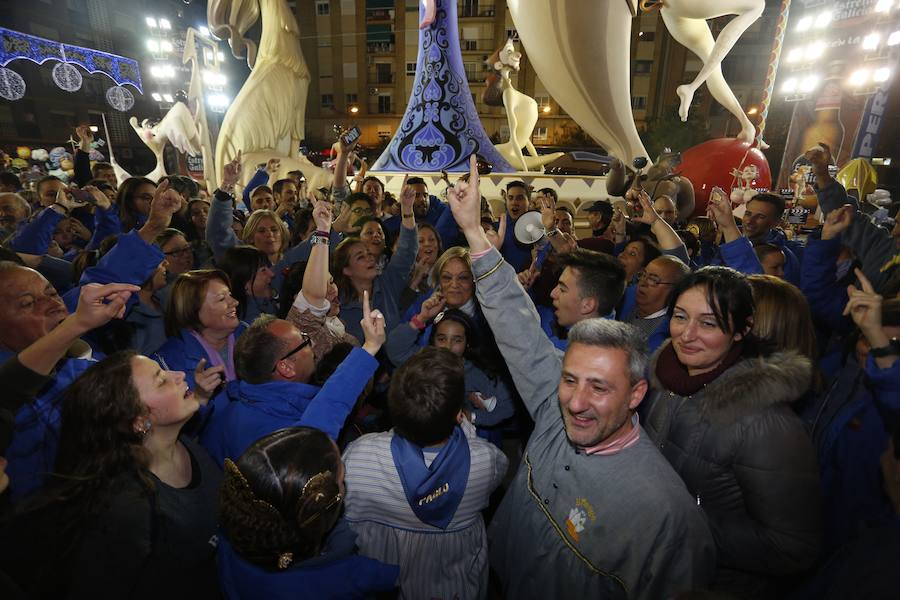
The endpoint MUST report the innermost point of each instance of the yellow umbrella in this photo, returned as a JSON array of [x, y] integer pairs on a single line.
[[858, 174]]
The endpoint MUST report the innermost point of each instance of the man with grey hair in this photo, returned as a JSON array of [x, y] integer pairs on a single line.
[[13, 210], [274, 363], [595, 511], [654, 285]]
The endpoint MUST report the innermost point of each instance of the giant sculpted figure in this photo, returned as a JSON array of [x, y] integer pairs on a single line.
[[266, 119]]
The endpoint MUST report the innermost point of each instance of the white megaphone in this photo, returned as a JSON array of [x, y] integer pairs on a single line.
[[529, 228]]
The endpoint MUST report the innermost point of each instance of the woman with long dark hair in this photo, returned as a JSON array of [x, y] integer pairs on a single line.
[[720, 412], [251, 275], [133, 199], [130, 508]]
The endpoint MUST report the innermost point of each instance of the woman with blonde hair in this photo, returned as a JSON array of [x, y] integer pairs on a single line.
[[782, 318]]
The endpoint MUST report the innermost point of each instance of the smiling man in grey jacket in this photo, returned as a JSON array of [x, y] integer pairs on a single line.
[[595, 510]]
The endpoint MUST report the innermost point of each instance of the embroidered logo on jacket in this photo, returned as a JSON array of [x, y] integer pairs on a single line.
[[578, 516]]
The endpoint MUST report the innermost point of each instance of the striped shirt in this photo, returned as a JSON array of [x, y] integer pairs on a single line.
[[434, 563]]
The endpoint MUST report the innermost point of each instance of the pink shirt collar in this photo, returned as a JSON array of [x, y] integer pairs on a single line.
[[616, 446]]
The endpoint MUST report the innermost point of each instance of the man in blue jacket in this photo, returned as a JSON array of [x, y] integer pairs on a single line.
[[428, 209], [760, 223], [274, 362]]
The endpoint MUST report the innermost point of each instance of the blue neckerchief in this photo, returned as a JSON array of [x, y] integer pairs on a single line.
[[434, 492]]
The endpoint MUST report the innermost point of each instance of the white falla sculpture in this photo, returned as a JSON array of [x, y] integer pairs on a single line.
[[521, 111], [686, 22], [177, 128], [266, 119], [580, 49]]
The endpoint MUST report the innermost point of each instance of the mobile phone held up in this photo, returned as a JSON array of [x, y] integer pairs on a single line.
[[81, 196], [351, 135]]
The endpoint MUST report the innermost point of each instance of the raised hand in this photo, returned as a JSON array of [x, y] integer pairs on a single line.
[[100, 199], [864, 305], [496, 237], [465, 202], [373, 327], [166, 202], [272, 165], [231, 173], [617, 224], [407, 197], [528, 276], [322, 216], [548, 211], [431, 307], [837, 221], [342, 223], [85, 136], [207, 381], [820, 157], [647, 213], [67, 200], [99, 304]]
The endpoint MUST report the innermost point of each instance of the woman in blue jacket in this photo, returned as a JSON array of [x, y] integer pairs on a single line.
[[202, 324]]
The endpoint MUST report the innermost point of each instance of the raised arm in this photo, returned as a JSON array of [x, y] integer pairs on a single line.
[[532, 359], [315, 279], [334, 402], [669, 241], [219, 233], [737, 251], [396, 274]]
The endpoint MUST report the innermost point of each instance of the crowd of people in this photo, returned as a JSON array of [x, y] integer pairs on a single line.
[[340, 394]]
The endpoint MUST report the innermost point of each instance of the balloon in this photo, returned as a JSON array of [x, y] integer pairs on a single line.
[[709, 165], [40, 155], [23, 152], [19, 163], [66, 164], [858, 174], [56, 155]]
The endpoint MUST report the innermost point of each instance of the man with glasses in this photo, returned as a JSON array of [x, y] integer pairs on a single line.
[[274, 363], [654, 285]]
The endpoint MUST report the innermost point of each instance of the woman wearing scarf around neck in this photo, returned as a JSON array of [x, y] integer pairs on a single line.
[[720, 413], [202, 324], [415, 493]]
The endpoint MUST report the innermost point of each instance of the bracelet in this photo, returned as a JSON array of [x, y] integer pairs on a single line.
[[492, 271], [892, 347], [319, 239], [322, 233], [407, 215], [229, 191], [417, 323]]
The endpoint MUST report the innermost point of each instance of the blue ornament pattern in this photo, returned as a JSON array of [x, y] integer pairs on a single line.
[[440, 128]]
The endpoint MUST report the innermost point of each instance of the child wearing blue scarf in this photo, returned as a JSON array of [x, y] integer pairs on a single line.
[[414, 494]]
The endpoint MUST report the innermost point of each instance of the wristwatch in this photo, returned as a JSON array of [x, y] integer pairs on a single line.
[[892, 347], [553, 232], [318, 239]]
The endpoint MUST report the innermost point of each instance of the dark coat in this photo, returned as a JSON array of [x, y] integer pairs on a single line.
[[745, 456]]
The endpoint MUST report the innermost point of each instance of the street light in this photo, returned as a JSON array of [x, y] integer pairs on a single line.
[[156, 96], [354, 109], [893, 39], [151, 23], [870, 42], [881, 75], [168, 98], [164, 24], [809, 83], [546, 109], [859, 77], [789, 86], [153, 46]]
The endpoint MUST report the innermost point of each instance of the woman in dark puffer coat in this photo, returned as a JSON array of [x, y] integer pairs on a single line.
[[719, 411]]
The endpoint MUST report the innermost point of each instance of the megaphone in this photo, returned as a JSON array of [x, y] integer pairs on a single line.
[[529, 228]]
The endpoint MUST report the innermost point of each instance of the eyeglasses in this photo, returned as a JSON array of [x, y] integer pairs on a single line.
[[306, 342], [179, 252], [652, 280]]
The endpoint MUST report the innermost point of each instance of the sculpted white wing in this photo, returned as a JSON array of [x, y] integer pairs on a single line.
[[179, 128], [580, 50]]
